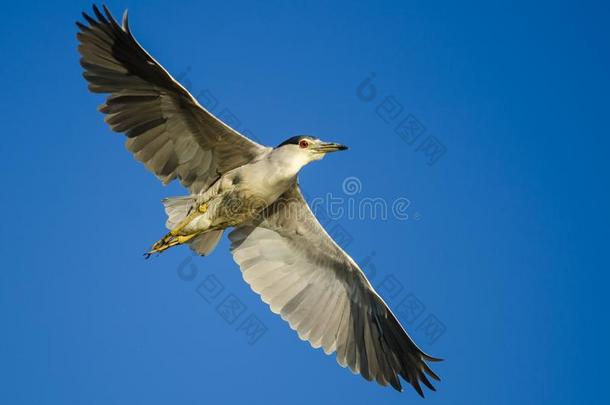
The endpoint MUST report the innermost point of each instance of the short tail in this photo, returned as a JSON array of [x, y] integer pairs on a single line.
[[206, 242], [177, 209]]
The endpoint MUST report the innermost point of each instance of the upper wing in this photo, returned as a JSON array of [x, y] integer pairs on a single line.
[[288, 258], [167, 129]]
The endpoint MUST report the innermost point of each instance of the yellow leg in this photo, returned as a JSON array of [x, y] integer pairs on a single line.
[[169, 241], [200, 210], [173, 238]]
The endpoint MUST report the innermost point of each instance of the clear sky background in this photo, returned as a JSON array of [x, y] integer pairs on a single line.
[[504, 253]]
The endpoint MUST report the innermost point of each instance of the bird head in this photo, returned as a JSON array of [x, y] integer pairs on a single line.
[[309, 148]]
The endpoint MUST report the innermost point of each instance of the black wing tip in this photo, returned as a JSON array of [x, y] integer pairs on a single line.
[[417, 387], [426, 382], [99, 14], [89, 19], [105, 18], [414, 382], [421, 376], [82, 27]]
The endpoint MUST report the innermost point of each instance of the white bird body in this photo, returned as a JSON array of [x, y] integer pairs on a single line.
[[239, 195]]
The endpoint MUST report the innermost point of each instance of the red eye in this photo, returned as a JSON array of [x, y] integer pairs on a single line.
[[303, 144]]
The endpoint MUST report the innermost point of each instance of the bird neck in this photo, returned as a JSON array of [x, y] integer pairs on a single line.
[[288, 162]]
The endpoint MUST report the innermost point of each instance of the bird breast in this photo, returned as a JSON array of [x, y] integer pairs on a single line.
[[265, 179]]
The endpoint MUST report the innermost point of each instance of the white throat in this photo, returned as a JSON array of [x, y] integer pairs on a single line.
[[290, 160]]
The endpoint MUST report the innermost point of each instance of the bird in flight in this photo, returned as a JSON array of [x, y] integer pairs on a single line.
[[285, 255]]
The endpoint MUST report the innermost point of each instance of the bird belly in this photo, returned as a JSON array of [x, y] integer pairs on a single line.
[[238, 207], [238, 197]]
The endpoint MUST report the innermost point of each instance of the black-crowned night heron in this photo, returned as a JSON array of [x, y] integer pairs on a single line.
[[284, 253]]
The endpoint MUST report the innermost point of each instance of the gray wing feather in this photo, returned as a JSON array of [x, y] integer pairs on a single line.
[[167, 129], [288, 258]]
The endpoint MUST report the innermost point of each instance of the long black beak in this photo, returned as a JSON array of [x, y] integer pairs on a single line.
[[327, 147]]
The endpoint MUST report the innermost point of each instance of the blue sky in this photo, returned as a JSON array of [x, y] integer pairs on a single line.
[[503, 252]]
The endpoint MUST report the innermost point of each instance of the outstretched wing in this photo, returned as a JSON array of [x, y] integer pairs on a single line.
[[167, 129], [296, 267]]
